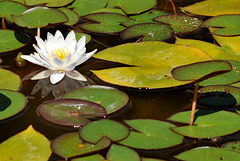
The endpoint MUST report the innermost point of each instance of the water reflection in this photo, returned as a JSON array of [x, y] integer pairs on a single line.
[[65, 85]]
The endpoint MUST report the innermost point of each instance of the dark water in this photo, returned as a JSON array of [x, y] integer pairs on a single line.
[[154, 104]]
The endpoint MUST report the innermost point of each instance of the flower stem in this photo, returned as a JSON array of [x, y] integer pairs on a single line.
[[194, 104], [174, 8], [3, 23], [100, 43], [38, 31]]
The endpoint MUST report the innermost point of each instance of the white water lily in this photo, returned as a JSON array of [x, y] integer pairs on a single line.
[[59, 56]]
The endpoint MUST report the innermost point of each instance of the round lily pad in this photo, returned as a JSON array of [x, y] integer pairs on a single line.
[[70, 145], [11, 103], [94, 157], [151, 134], [207, 124], [48, 3], [232, 145], [110, 98], [72, 16], [9, 80], [70, 112], [12, 40], [95, 131], [148, 32]]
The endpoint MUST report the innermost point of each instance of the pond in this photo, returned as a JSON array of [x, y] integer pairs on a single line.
[[137, 64]]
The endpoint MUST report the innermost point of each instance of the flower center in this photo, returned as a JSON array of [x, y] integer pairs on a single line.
[[61, 53]]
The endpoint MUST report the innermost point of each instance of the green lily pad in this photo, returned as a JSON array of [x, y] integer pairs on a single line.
[[12, 103], [201, 70], [12, 40], [9, 80], [110, 98], [70, 112], [84, 7], [151, 134], [151, 63], [20, 1], [70, 145], [180, 24], [72, 16], [234, 91], [148, 32], [95, 131], [95, 157], [26, 145], [232, 145], [105, 22], [38, 17], [227, 25], [121, 153], [48, 3], [145, 17], [214, 7], [133, 6], [79, 35], [208, 154], [151, 159], [207, 124], [111, 10], [8, 8]]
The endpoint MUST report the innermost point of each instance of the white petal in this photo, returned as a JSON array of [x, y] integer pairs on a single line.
[[70, 41], [70, 67], [67, 59], [42, 75], [76, 75], [58, 62], [56, 77], [81, 43], [42, 53], [60, 39], [40, 43], [50, 43], [85, 57]]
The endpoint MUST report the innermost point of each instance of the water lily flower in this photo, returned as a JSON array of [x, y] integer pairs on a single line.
[[60, 56]]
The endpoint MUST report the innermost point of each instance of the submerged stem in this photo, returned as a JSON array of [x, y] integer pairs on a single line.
[[38, 31], [174, 8], [3, 23], [194, 104]]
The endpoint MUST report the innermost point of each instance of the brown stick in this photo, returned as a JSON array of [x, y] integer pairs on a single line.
[[194, 104], [38, 31], [174, 8], [3, 23]]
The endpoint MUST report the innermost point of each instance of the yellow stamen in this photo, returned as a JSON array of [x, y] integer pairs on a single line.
[[61, 53]]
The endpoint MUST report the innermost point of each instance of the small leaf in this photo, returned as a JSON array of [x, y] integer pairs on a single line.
[[95, 131], [26, 145], [148, 32], [227, 25], [38, 17], [12, 103], [72, 16], [208, 154], [70, 145], [70, 112], [110, 98], [94, 157], [9, 80], [79, 35], [207, 124], [151, 134]]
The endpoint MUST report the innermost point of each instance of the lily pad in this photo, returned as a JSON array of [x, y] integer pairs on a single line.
[[9, 80], [84, 7], [180, 24], [151, 159], [146, 17], [151, 63], [214, 7], [8, 8], [12, 40], [70, 112], [121, 153], [232, 145], [208, 154], [110, 98], [151, 134], [72, 16], [26, 145], [111, 10], [105, 22], [133, 6], [207, 124], [48, 3], [95, 131], [148, 32], [38, 17], [200, 71], [70, 145], [227, 25], [12, 103], [79, 35], [95, 157]]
